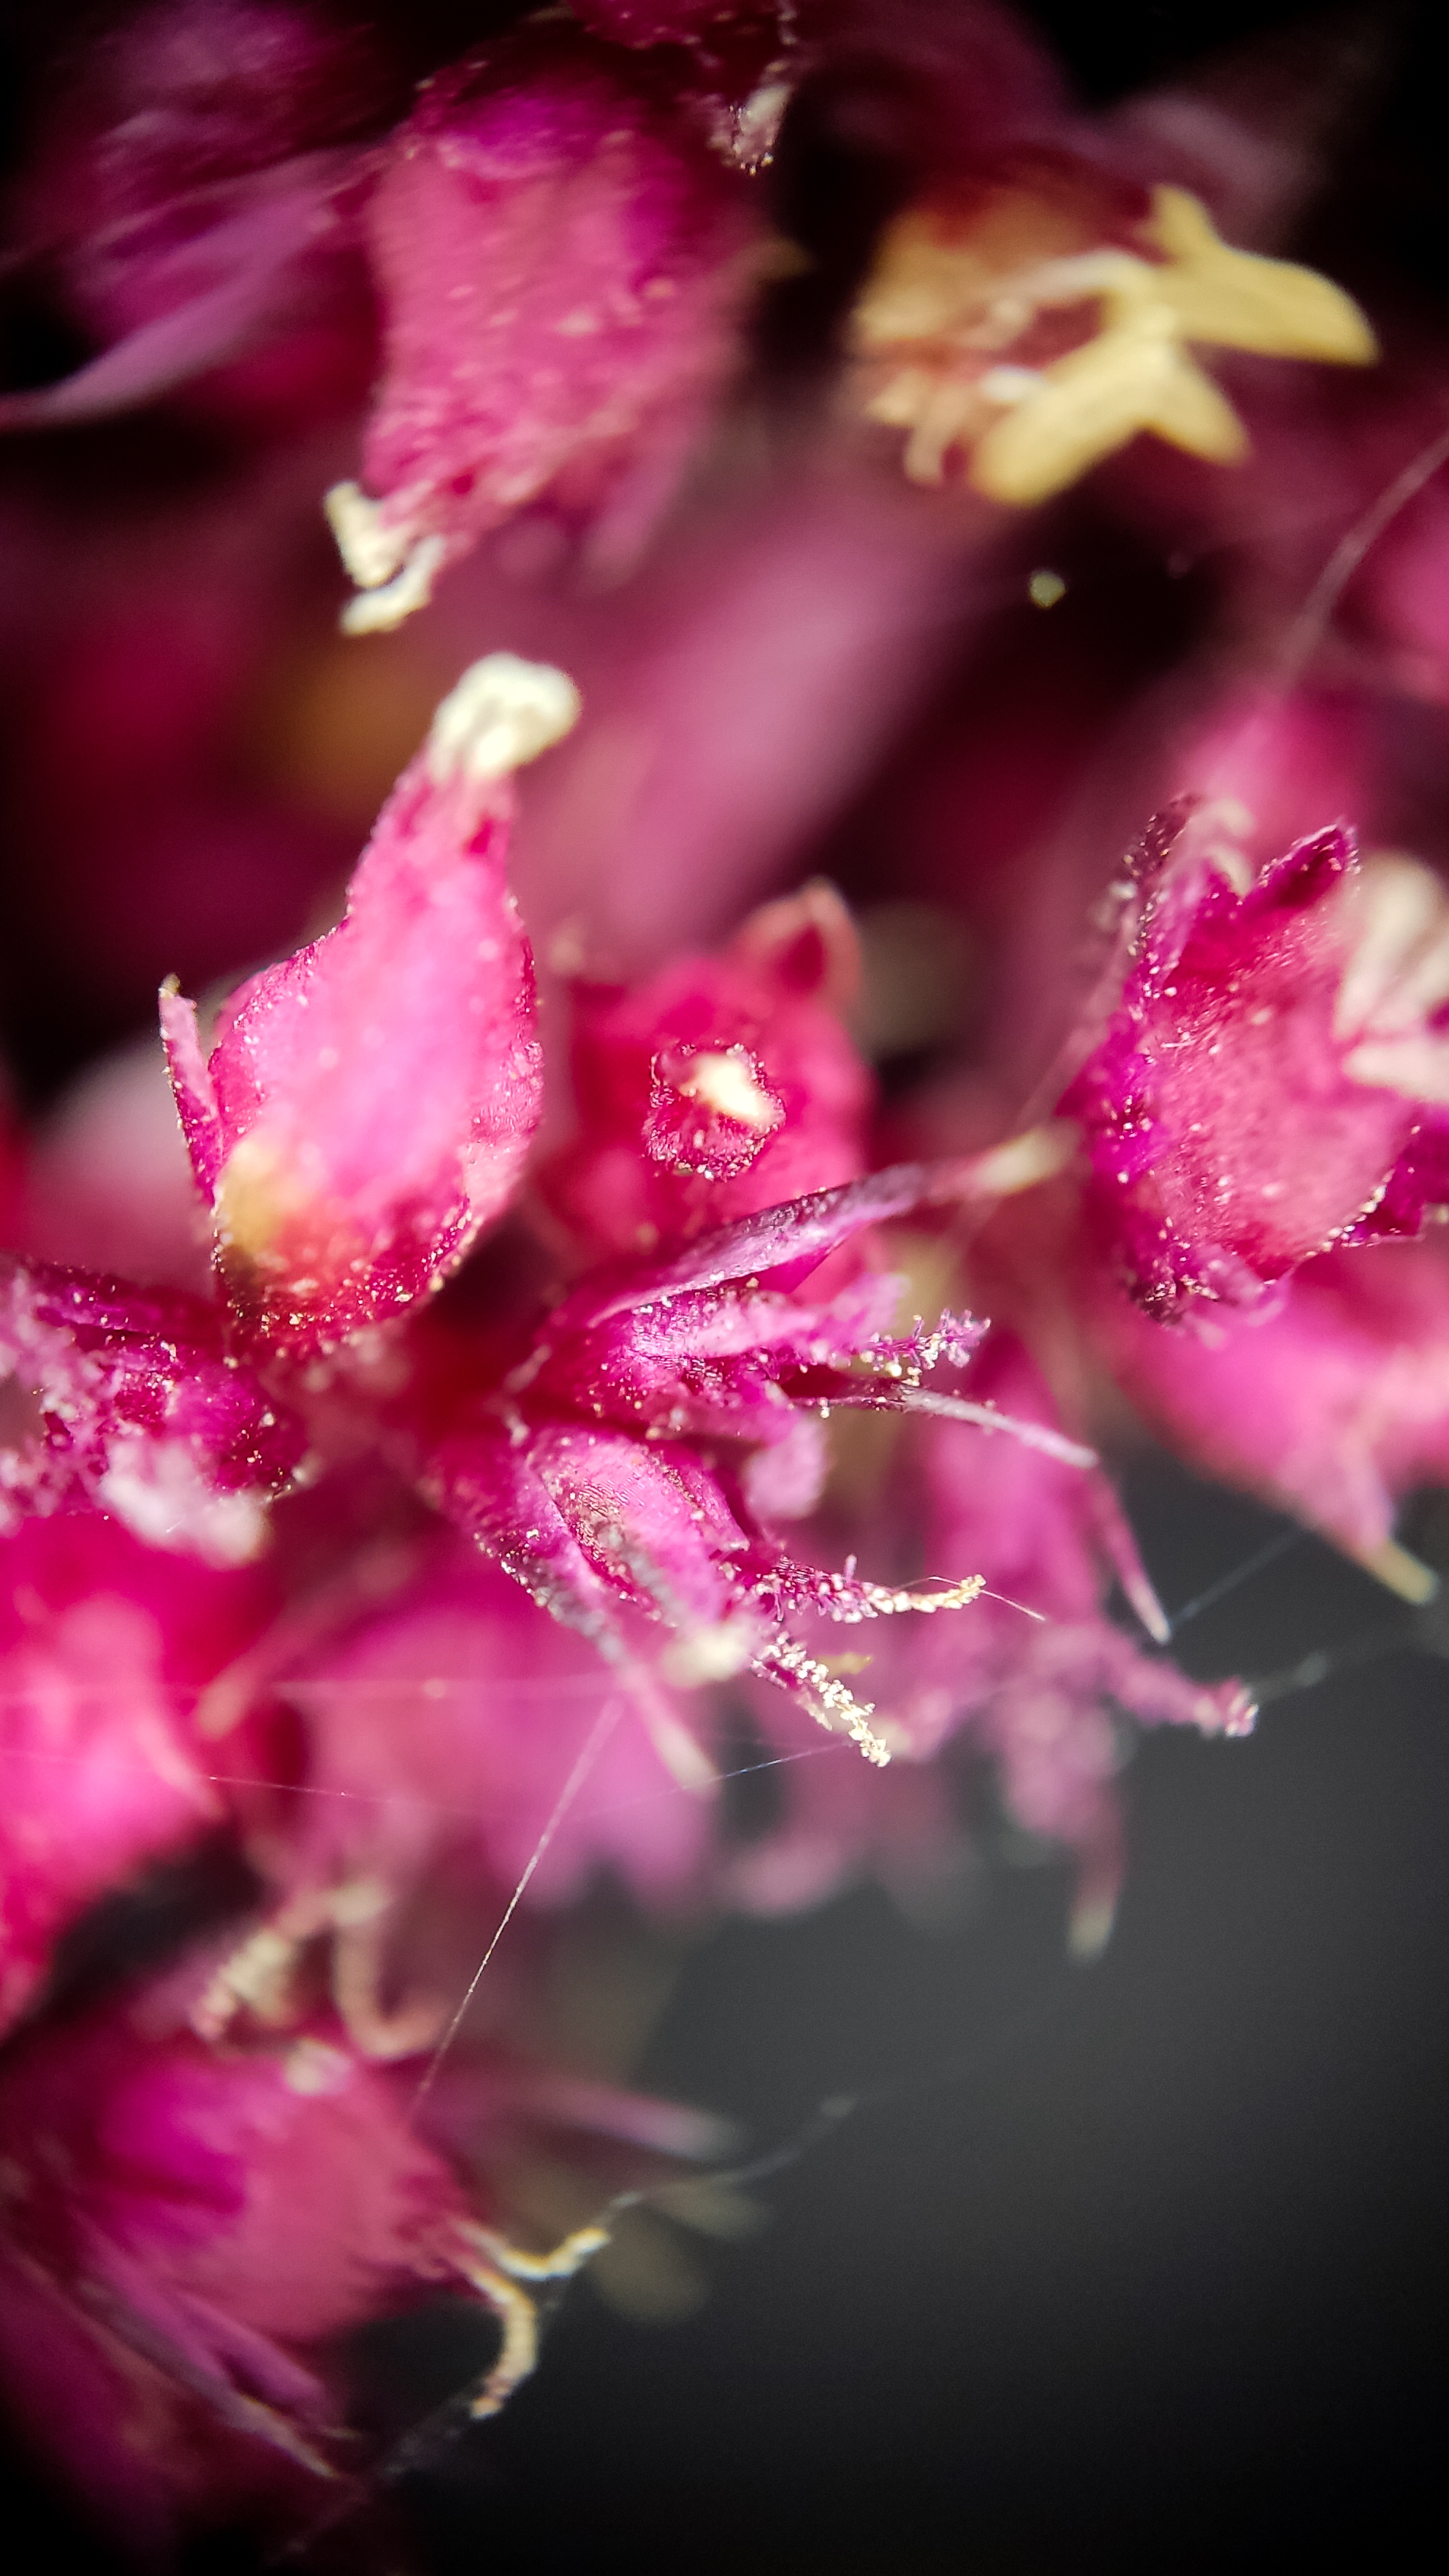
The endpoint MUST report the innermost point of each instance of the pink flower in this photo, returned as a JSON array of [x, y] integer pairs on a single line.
[[1272, 1079], [130, 1401], [631, 1465], [673, 1449], [561, 262], [721, 1086], [191, 2232], [368, 1103], [188, 2234], [104, 1644]]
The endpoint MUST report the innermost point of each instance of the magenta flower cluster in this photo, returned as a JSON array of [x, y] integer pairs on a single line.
[[553, 1355]]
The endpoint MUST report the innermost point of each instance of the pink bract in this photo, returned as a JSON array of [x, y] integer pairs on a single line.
[[104, 1646], [368, 1103], [1333, 1404], [561, 262], [188, 2233], [1260, 1090], [721, 1086]]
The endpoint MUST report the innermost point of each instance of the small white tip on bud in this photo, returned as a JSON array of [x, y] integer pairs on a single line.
[[502, 713], [371, 550], [394, 571], [377, 612]]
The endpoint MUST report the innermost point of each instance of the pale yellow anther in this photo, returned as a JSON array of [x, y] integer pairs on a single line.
[[710, 1654], [377, 612], [1399, 1572], [499, 2271], [945, 323], [1024, 1161], [256, 1194]]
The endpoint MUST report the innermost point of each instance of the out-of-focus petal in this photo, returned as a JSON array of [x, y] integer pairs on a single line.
[[103, 1646], [561, 263], [191, 194], [131, 1402], [1332, 1404]]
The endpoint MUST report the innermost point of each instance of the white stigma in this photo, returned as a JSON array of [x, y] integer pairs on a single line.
[[502, 713], [726, 1083], [371, 550]]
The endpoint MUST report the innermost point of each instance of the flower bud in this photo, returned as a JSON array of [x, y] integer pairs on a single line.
[[561, 263], [1273, 1079], [368, 1103], [723, 1085]]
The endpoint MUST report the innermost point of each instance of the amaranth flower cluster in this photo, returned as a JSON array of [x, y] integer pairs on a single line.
[[599, 1295]]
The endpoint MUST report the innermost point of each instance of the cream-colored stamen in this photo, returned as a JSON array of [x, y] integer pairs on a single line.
[[502, 713], [943, 319], [377, 612], [371, 549]]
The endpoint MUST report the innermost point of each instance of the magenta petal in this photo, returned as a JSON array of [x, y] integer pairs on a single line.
[[217, 293], [561, 264], [375, 1095], [186, 190], [194, 1090], [1235, 1124], [680, 22], [140, 1410], [102, 1773], [786, 1243]]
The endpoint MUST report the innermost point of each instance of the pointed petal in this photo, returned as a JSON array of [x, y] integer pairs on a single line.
[[194, 1090], [1243, 301]]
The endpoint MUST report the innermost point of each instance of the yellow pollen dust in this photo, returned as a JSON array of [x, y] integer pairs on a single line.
[[954, 332], [256, 1196]]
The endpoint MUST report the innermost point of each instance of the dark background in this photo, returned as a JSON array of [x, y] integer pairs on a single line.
[[1137, 2264], [1141, 2264]]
